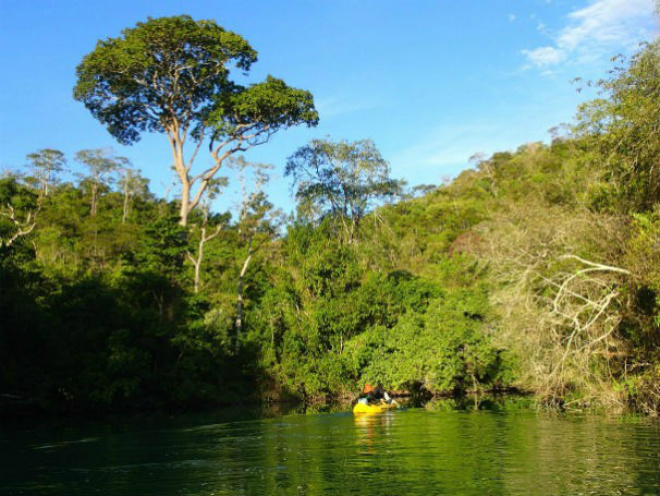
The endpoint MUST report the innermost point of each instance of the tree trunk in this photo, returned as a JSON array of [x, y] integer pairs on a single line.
[[176, 144], [239, 302], [197, 271], [185, 199], [189, 200], [124, 213], [95, 193], [197, 262], [200, 257]]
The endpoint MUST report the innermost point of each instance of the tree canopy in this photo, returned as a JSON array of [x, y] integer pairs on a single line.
[[161, 74], [46, 164], [341, 179]]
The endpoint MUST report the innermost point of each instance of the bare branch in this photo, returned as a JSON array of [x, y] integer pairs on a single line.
[[23, 228], [596, 265]]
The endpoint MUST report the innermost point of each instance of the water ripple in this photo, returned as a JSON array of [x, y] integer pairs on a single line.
[[406, 452]]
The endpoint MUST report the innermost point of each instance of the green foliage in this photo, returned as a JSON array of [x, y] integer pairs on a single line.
[[623, 126], [163, 247], [262, 107], [162, 69], [643, 390], [446, 349]]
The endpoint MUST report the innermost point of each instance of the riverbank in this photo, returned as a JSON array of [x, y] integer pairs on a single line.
[[32, 413]]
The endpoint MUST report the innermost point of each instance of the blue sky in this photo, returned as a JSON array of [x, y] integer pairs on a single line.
[[431, 82]]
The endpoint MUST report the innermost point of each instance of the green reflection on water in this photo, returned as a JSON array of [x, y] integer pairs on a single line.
[[404, 452]]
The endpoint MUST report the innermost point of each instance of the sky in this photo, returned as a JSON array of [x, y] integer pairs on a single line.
[[431, 82]]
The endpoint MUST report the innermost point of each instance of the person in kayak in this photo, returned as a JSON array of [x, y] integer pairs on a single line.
[[375, 395]]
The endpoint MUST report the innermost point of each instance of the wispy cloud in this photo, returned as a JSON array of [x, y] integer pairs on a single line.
[[451, 145], [601, 28], [331, 106]]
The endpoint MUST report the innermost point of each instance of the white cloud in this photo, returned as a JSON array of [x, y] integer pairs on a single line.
[[600, 29], [545, 56], [512, 17]]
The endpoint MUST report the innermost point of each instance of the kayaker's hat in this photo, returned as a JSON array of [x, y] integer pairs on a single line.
[[368, 388]]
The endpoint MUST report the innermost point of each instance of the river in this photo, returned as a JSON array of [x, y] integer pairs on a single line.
[[408, 452]]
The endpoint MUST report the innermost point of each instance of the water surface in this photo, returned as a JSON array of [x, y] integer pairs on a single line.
[[399, 453]]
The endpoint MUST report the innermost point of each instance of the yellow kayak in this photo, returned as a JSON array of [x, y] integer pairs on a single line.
[[362, 408]]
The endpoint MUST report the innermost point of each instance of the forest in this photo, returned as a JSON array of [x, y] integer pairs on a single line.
[[535, 270]]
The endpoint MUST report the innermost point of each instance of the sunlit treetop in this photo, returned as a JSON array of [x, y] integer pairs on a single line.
[[161, 72]]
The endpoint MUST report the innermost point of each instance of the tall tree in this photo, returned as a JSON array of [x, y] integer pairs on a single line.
[[46, 164], [101, 164], [132, 185], [172, 75], [344, 180], [253, 219]]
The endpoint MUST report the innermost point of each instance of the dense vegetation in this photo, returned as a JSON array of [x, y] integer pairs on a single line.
[[538, 269]]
